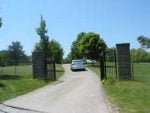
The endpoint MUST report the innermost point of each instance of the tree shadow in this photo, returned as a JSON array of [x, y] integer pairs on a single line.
[[79, 70], [10, 77], [2, 85], [141, 81], [90, 65], [60, 71]]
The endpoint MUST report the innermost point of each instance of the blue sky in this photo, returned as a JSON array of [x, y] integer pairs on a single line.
[[117, 21]]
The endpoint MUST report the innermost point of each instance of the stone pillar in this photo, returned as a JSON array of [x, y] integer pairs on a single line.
[[123, 61], [38, 59]]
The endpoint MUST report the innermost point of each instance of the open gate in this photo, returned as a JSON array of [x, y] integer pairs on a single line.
[[108, 65], [51, 71]]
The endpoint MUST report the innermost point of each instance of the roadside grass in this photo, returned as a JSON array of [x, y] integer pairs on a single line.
[[12, 85], [132, 96]]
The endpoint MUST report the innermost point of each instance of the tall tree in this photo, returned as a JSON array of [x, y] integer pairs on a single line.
[[144, 41], [16, 51], [42, 31]]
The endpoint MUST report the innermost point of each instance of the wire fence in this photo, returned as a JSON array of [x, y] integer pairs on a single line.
[[19, 70]]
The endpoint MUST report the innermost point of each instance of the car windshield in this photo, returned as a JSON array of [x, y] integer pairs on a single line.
[[79, 62]]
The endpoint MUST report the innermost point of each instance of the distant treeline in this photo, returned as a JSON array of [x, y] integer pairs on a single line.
[[7, 60], [137, 55], [14, 55], [140, 55]]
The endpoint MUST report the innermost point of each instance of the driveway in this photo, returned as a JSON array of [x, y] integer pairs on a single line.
[[75, 92]]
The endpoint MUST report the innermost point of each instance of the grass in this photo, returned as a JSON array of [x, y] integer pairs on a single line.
[[131, 96], [12, 85]]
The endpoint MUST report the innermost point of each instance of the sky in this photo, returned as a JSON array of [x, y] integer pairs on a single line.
[[117, 21]]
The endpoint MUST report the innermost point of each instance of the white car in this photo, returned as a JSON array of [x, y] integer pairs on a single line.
[[77, 64]]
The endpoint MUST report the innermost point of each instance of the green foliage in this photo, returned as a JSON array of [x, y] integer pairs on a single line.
[[4, 57], [140, 55], [76, 48], [67, 59], [55, 51], [15, 51], [41, 31], [92, 45], [87, 45], [25, 59], [144, 41], [110, 54], [37, 47]]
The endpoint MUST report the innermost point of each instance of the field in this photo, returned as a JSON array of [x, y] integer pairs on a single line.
[[131, 96], [16, 83]]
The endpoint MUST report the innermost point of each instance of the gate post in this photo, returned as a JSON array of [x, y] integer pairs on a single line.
[[54, 66], [102, 65], [123, 61], [39, 65]]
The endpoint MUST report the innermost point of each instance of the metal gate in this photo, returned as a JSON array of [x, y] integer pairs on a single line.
[[51, 71], [108, 65]]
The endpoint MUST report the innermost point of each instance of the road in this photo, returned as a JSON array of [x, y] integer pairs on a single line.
[[75, 92]]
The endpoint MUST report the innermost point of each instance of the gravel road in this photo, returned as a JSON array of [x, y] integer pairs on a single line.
[[75, 92]]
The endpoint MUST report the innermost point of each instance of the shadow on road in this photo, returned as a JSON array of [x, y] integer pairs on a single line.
[[79, 70], [10, 77]]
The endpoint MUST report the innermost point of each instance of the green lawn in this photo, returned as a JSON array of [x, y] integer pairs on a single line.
[[12, 85], [130, 96]]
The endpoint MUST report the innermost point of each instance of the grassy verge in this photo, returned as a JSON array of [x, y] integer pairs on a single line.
[[21, 83], [130, 96]]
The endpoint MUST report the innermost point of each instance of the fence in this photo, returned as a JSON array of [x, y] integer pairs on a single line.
[[19, 70]]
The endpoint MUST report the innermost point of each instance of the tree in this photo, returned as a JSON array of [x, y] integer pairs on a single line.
[[55, 51], [110, 54], [92, 45], [144, 41], [67, 59], [25, 59], [76, 51], [87, 45], [16, 51], [42, 31], [37, 47], [52, 49], [139, 55], [4, 57], [148, 57]]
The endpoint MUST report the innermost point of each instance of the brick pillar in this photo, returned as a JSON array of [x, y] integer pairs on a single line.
[[123, 61], [38, 59]]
